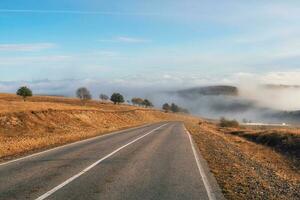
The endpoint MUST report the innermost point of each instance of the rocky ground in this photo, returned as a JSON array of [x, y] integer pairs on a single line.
[[246, 170]]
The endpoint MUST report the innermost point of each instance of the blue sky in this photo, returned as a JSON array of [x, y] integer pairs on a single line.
[[155, 42]]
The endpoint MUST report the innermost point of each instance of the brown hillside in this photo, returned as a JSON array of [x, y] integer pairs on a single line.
[[43, 122]]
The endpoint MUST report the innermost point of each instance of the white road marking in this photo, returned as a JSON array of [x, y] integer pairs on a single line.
[[47, 194], [70, 144], [207, 186]]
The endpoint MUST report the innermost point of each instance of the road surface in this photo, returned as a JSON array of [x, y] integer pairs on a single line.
[[156, 161]]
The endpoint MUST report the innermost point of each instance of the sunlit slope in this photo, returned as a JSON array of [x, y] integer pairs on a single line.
[[43, 122]]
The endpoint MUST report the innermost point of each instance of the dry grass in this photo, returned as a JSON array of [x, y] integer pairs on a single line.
[[228, 123], [44, 122], [284, 140], [13, 103], [244, 169]]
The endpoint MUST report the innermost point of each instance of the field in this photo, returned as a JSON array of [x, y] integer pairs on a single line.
[[248, 162]]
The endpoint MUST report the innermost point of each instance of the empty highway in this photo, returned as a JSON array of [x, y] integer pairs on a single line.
[[156, 161]]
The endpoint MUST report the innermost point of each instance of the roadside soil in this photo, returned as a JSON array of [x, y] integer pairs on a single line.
[[244, 169]]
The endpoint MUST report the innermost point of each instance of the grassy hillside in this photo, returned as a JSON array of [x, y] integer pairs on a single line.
[[43, 122]]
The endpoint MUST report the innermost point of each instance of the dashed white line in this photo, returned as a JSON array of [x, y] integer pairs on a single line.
[[47, 194]]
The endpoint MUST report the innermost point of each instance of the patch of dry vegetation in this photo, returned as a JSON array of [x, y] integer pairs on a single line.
[[245, 169], [13, 103], [228, 123], [286, 141]]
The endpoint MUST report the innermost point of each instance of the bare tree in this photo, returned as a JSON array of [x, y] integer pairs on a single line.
[[137, 101], [103, 97], [83, 94]]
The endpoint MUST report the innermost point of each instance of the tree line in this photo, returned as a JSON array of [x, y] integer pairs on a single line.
[[173, 108], [136, 101], [84, 95]]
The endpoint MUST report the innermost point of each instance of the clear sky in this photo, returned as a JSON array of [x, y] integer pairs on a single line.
[[149, 42]]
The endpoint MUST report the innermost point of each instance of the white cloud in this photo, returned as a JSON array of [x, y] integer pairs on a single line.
[[131, 39], [274, 77], [32, 60], [283, 77], [125, 39], [27, 47], [283, 11], [103, 53]]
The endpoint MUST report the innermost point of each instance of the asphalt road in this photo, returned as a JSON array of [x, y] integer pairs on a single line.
[[157, 161]]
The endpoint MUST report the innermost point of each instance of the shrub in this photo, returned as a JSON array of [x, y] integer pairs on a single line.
[[166, 107], [137, 101], [147, 103], [228, 123], [103, 97], [175, 108]]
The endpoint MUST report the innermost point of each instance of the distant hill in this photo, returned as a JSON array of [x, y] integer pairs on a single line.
[[286, 116], [226, 100], [209, 90], [275, 86]]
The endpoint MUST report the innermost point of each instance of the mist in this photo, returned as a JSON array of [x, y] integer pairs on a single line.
[[253, 102], [279, 97], [259, 103]]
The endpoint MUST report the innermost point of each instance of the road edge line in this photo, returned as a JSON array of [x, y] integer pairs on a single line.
[[209, 191]]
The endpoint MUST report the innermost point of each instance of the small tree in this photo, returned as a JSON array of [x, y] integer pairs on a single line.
[[103, 97], [83, 94], [174, 108], [24, 92], [147, 103], [228, 123], [137, 101], [117, 98], [166, 107]]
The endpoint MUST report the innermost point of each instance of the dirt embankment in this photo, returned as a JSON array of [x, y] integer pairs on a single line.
[[44, 122], [245, 169], [283, 140], [26, 131]]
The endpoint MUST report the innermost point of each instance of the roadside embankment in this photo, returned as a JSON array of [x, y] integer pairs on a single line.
[[245, 169], [22, 132]]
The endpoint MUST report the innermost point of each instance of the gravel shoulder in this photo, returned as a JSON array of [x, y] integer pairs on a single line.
[[244, 169]]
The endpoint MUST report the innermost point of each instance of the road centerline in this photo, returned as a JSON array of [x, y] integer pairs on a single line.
[[50, 192]]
